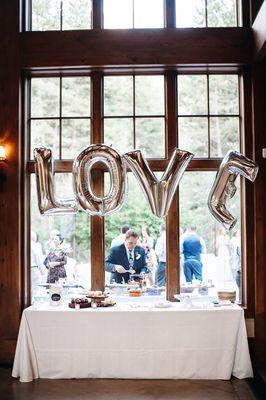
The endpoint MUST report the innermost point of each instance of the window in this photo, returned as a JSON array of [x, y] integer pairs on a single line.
[[50, 15], [60, 114], [75, 232], [208, 124], [122, 14], [220, 249], [208, 121], [152, 108], [206, 13], [134, 114], [136, 215], [59, 117]]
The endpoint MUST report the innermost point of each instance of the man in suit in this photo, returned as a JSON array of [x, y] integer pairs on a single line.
[[127, 256]]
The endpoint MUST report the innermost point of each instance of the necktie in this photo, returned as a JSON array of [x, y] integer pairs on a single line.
[[130, 259]]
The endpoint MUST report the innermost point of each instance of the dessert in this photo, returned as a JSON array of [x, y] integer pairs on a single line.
[[83, 303], [134, 292]]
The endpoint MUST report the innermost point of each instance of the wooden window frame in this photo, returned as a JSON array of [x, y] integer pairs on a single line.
[[172, 221], [60, 50]]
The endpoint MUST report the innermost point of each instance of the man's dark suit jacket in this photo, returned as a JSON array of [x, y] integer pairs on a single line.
[[118, 255]]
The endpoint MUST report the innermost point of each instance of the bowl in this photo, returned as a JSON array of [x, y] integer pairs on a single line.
[[187, 289], [227, 295]]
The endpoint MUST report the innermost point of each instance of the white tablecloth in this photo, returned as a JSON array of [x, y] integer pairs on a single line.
[[140, 343]]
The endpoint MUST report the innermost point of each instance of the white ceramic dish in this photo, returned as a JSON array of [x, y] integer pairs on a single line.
[[163, 304]]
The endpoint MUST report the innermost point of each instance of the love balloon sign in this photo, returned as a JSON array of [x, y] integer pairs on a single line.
[[158, 192]]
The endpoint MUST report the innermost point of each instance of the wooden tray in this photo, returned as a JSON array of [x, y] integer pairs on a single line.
[[105, 305]]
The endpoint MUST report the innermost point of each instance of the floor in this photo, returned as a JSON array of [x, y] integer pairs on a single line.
[[110, 389]]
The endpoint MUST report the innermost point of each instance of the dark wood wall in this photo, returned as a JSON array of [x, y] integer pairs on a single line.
[[10, 187], [259, 121], [204, 48]]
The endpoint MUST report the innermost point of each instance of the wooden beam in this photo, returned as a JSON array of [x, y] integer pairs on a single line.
[[141, 47], [97, 223], [172, 219], [259, 29], [204, 164]]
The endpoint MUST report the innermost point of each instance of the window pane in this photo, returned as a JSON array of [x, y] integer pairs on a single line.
[[222, 13], [118, 95], [219, 253], [190, 13], [135, 214], [119, 133], [75, 230], [76, 14], [150, 137], [149, 95], [75, 136], [193, 135], [45, 15], [45, 132], [45, 97], [118, 14], [224, 135], [148, 14], [224, 94], [189, 104], [76, 97]]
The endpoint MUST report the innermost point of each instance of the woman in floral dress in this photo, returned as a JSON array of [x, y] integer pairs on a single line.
[[57, 260]]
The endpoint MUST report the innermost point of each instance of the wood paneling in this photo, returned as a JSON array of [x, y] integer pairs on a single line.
[[247, 212], [254, 8], [259, 104], [139, 47], [259, 29], [10, 189]]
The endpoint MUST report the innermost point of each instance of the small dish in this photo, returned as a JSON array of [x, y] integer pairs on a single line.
[[163, 304]]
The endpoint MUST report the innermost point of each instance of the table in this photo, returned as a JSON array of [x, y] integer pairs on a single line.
[[132, 343]]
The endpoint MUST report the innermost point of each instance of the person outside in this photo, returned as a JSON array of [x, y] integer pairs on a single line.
[[235, 260], [192, 247], [224, 271], [126, 259], [56, 260], [37, 267], [160, 250], [121, 237], [146, 241]]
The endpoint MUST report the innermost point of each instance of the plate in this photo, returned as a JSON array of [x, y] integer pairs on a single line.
[[163, 304], [225, 303]]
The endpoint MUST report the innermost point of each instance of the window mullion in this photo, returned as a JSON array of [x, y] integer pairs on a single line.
[[97, 223], [172, 219], [97, 14], [169, 14]]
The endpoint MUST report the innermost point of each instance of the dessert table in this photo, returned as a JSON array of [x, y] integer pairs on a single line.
[[132, 342]]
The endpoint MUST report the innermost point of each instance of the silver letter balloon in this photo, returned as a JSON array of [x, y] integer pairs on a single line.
[[44, 171], [159, 192], [82, 166], [224, 188]]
